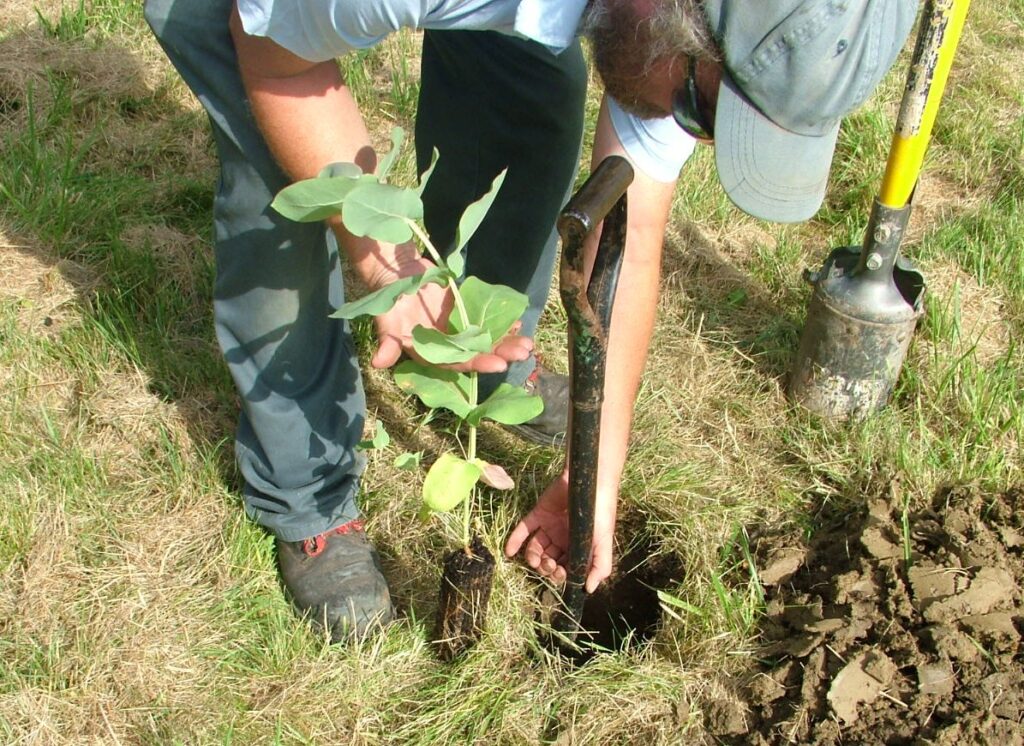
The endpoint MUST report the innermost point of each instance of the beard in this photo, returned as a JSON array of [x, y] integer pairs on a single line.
[[617, 41]]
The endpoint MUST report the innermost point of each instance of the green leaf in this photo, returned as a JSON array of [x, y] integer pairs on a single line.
[[379, 301], [450, 481], [310, 200], [383, 299], [437, 388], [385, 164], [736, 298], [436, 275], [509, 405], [380, 439], [428, 173], [670, 600], [475, 213], [456, 262], [348, 170], [492, 307], [408, 461], [382, 211], [439, 348]]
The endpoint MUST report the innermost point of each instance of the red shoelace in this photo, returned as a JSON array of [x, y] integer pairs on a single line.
[[316, 544]]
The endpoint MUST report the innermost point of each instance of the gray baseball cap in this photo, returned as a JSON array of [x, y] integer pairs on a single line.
[[793, 69]]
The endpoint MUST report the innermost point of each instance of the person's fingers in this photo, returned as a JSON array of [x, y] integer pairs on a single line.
[[514, 349], [388, 352], [545, 555], [516, 539], [487, 363], [534, 552], [540, 547], [520, 534], [508, 350], [600, 567]]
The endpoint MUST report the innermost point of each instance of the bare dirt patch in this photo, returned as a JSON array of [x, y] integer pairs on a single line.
[[862, 646]]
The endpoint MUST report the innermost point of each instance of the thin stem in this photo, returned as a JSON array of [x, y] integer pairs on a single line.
[[474, 385], [425, 240], [436, 256], [467, 508]]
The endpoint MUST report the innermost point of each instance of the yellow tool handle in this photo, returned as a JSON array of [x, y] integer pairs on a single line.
[[941, 24]]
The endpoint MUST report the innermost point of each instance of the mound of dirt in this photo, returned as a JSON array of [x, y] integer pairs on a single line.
[[863, 646]]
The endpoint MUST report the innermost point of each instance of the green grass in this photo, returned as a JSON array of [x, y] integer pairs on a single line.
[[137, 604]]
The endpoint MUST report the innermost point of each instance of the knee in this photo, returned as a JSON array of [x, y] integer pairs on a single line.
[[181, 24]]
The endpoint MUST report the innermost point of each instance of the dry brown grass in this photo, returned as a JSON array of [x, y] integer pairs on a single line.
[[96, 78], [121, 580], [21, 13], [43, 287], [977, 312], [29, 58], [173, 251], [121, 565]]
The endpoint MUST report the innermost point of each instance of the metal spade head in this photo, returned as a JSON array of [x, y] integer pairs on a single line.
[[861, 317]]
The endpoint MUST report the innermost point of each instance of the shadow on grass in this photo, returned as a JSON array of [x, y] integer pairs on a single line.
[[730, 308], [104, 182]]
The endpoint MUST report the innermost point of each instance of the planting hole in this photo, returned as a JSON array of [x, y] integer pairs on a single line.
[[624, 612]]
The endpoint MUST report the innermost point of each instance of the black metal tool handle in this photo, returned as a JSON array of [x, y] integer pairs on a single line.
[[588, 306]]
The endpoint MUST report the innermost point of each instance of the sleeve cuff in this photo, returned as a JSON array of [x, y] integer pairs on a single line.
[[307, 29], [657, 147]]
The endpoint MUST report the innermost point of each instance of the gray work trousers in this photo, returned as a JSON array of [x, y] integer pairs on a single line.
[[487, 102]]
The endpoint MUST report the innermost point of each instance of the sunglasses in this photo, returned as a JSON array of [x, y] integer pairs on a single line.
[[686, 108]]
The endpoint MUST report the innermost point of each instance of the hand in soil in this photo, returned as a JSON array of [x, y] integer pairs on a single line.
[[543, 535]]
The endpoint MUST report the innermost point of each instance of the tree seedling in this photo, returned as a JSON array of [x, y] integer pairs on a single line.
[[483, 314]]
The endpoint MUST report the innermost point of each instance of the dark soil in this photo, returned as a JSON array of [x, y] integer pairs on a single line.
[[464, 596], [624, 611], [863, 647]]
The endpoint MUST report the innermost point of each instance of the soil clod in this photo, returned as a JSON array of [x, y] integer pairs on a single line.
[[862, 646]]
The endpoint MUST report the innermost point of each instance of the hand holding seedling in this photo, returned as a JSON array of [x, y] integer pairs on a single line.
[[430, 307], [451, 330]]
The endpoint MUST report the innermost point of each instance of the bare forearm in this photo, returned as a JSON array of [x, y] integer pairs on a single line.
[[543, 535], [309, 119], [633, 315], [306, 113]]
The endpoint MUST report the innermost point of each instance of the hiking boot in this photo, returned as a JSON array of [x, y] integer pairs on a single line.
[[549, 427], [335, 580]]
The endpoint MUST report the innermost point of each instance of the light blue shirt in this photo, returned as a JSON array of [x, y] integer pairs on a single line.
[[319, 30]]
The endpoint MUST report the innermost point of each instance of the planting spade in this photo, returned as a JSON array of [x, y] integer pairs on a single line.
[[867, 299], [588, 307]]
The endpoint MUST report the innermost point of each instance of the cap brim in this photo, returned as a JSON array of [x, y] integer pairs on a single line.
[[767, 171]]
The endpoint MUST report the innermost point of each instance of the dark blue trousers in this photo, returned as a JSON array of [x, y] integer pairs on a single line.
[[487, 102]]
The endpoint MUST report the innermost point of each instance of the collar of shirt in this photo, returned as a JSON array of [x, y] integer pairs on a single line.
[[553, 23]]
